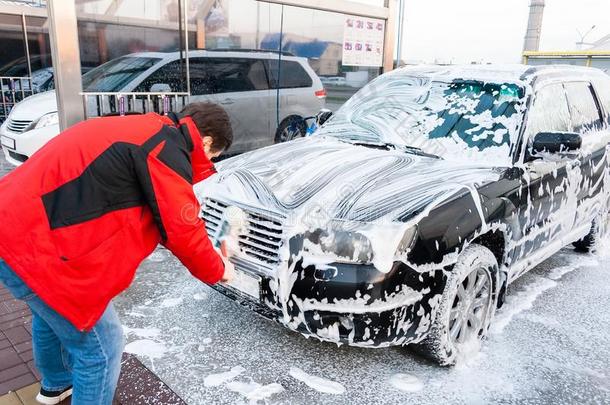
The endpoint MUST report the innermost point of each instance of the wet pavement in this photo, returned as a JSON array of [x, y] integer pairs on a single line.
[[549, 344]]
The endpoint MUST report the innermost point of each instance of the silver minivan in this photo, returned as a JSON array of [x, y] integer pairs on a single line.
[[266, 103]]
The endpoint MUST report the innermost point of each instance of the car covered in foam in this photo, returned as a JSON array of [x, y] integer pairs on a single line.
[[404, 218]]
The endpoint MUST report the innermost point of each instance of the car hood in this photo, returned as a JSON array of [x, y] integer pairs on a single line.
[[35, 106], [322, 176]]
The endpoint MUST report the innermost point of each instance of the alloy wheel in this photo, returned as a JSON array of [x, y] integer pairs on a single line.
[[469, 314]]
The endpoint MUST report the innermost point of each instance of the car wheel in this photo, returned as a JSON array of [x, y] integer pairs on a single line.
[[599, 229], [291, 128], [466, 308]]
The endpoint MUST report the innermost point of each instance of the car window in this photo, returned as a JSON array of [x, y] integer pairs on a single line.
[[170, 74], [583, 107], [602, 88], [116, 74], [228, 75], [549, 112], [291, 75]]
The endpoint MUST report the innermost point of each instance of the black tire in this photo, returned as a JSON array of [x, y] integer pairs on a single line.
[[585, 244], [438, 345], [599, 229], [291, 128]]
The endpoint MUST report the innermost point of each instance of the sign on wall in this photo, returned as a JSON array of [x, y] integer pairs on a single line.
[[363, 41]]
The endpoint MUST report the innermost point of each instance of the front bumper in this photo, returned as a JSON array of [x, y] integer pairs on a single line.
[[27, 143], [347, 303]]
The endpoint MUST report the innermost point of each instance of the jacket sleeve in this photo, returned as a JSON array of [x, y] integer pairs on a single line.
[[166, 177]]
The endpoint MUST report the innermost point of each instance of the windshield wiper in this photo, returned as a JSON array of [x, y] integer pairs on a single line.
[[419, 151]]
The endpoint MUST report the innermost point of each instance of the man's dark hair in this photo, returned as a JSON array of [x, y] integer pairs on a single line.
[[212, 120]]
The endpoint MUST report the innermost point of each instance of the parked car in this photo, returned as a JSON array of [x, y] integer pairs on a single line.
[[243, 82], [404, 218]]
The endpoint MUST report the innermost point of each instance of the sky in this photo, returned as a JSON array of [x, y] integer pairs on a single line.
[[465, 31]]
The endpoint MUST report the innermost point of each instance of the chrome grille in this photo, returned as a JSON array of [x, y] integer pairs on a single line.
[[17, 126], [262, 238]]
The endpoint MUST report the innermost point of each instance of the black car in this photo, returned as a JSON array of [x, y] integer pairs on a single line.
[[404, 218]]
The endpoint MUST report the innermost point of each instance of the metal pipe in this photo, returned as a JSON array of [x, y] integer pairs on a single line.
[[186, 48], [180, 43], [26, 44]]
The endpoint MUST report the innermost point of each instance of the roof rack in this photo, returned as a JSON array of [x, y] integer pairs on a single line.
[[284, 53]]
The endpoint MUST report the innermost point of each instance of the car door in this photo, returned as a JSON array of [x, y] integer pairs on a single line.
[[587, 120], [241, 86], [548, 196], [291, 82]]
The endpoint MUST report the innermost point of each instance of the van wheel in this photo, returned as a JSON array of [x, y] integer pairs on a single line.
[[466, 308], [291, 128]]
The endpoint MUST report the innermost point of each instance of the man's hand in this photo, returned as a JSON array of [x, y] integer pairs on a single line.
[[224, 253], [229, 273]]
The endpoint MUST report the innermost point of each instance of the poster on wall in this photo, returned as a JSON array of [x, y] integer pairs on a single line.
[[363, 41]]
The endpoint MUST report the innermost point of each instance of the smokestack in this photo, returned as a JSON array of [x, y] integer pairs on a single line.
[[534, 26]]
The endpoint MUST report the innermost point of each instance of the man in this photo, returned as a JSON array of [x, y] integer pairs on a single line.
[[79, 217]]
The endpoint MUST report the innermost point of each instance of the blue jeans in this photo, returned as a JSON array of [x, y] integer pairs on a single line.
[[89, 361]]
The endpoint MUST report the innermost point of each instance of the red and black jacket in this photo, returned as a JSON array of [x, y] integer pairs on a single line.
[[80, 215]]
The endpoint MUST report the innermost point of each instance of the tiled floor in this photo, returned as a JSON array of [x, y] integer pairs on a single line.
[[17, 368], [19, 377]]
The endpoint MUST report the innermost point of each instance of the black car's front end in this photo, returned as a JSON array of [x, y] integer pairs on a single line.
[[339, 296]]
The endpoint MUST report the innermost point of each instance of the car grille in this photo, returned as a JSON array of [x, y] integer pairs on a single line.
[[17, 126], [262, 238]]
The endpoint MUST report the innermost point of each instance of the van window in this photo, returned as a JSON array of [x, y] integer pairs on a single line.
[[117, 73], [227, 75], [169, 74], [292, 75], [550, 112], [583, 107]]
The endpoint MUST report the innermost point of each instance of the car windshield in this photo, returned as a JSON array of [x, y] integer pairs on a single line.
[[452, 119], [116, 74]]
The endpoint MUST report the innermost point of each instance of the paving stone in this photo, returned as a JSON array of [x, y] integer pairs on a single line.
[[32, 366], [9, 358], [21, 313], [138, 385], [15, 305], [4, 343], [17, 383], [26, 356], [10, 399], [13, 372], [16, 322], [27, 395], [24, 346], [17, 335]]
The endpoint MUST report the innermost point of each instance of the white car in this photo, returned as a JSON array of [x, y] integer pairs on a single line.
[[245, 83]]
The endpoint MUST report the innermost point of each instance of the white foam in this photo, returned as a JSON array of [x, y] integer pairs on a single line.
[[254, 391], [146, 347], [214, 380], [319, 384], [171, 302], [406, 382], [519, 302], [200, 296], [141, 332]]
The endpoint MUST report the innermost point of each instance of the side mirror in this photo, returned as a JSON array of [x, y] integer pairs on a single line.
[[556, 142], [160, 88], [323, 116]]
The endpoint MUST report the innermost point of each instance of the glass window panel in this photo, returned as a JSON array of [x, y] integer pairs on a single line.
[[583, 107]]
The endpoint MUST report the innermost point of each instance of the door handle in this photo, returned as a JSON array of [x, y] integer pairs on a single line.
[[227, 101]]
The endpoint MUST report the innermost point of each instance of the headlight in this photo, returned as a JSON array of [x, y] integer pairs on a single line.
[[343, 244], [363, 243], [46, 120]]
